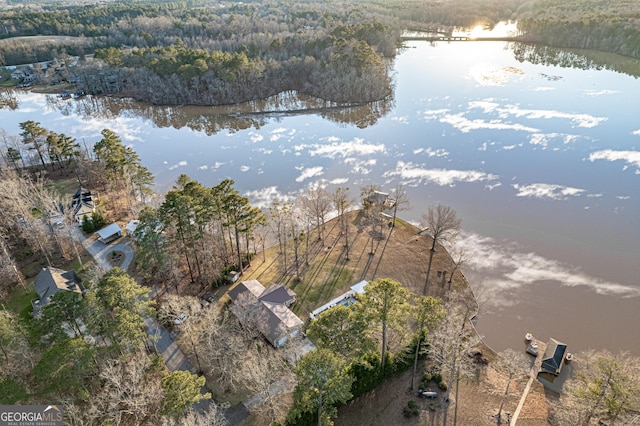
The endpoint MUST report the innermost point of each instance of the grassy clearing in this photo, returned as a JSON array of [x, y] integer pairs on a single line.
[[9, 83], [19, 300], [399, 254], [66, 187]]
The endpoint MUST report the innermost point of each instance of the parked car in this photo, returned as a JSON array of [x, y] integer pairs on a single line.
[[209, 297], [181, 318], [427, 394]]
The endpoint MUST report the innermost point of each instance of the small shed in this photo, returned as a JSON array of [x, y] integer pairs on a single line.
[[233, 276], [109, 233]]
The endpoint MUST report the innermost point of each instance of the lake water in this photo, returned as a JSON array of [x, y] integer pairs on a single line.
[[542, 163]]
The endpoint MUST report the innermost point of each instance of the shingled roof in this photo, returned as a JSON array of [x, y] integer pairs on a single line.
[[278, 293], [553, 357], [52, 280], [265, 308]]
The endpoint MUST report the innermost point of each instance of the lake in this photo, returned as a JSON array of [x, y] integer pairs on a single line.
[[541, 162]]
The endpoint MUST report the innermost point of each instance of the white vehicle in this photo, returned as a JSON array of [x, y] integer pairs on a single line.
[[181, 318]]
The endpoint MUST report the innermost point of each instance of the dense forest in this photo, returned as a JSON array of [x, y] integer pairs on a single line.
[[607, 25], [194, 53], [198, 52]]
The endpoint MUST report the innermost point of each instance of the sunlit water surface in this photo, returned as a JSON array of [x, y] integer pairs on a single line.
[[541, 162]]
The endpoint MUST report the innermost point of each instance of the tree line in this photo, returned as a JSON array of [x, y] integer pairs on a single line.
[[339, 53], [333, 68], [574, 58], [588, 24], [252, 50]]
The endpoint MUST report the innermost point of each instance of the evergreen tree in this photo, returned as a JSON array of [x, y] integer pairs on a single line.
[[322, 384], [34, 137], [384, 303]]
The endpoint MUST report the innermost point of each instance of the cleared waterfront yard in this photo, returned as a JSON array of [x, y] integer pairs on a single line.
[[402, 257]]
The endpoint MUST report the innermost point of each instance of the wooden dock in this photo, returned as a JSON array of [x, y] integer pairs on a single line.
[[457, 38], [533, 375]]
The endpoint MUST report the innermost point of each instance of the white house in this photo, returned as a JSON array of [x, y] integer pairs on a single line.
[[82, 205], [346, 299]]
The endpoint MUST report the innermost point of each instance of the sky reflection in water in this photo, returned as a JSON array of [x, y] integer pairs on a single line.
[[541, 162]]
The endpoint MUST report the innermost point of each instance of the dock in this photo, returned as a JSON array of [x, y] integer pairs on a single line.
[[448, 38], [533, 375]]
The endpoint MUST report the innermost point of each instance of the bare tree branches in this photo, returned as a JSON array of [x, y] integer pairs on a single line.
[[604, 387], [449, 343], [443, 226]]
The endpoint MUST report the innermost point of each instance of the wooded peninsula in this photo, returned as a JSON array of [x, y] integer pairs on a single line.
[[209, 53]]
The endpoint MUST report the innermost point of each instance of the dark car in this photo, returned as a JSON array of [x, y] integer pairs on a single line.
[[207, 299]]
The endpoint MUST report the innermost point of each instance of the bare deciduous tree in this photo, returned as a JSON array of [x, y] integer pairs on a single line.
[[604, 387], [400, 201], [278, 214], [449, 345], [459, 257], [235, 356], [213, 416], [511, 363], [442, 226], [130, 393], [317, 203], [342, 201], [21, 209], [16, 357]]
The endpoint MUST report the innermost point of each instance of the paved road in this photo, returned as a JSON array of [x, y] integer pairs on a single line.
[[159, 336]]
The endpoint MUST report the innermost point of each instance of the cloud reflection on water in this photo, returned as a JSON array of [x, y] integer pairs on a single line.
[[632, 158], [414, 175], [505, 269], [545, 190]]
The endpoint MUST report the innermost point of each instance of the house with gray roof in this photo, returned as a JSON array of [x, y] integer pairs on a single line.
[[17, 74], [279, 294], [52, 280], [267, 310]]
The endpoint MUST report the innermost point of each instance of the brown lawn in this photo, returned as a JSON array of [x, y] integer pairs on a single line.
[[400, 254], [402, 257]]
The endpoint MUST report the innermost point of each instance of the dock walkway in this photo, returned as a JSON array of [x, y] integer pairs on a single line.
[[533, 375]]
